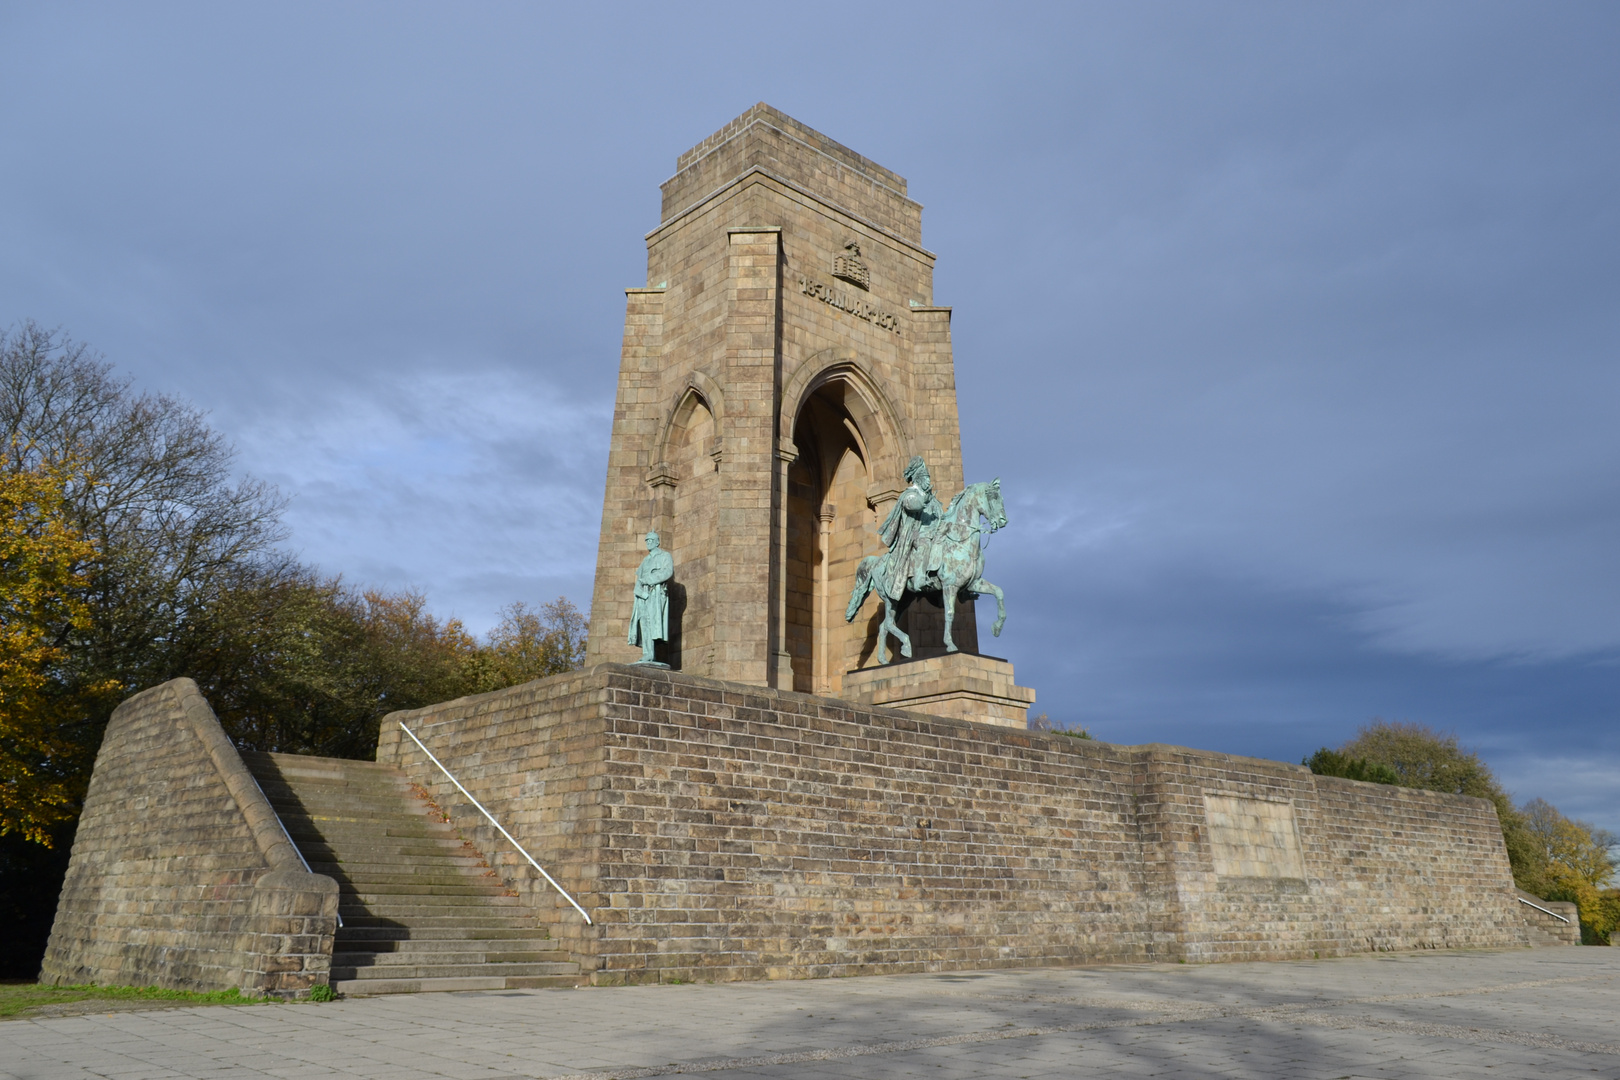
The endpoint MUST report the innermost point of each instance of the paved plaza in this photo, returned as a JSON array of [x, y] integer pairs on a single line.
[[1540, 1013]]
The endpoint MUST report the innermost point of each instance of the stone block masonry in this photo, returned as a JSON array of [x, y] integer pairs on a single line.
[[181, 875], [780, 367], [722, 831]]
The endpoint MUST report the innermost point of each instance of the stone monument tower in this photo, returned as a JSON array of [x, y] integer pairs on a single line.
[[783, 364]]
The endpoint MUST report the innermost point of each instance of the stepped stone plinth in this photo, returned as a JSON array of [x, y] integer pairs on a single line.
[[961, 686]]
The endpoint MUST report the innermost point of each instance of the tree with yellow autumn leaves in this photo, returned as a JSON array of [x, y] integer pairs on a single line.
[[1575, 862], [131, 552], [46, 568]]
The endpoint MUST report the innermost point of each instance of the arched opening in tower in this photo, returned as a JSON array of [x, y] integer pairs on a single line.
[[830, 528]]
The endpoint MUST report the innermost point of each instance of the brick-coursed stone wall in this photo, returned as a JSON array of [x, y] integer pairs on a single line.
[[181, 876], [721, 831]]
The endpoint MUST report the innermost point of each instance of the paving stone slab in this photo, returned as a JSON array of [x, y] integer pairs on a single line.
[[1544, 1012]]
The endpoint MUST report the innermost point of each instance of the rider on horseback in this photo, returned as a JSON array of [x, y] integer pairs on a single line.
[[931, 548], [908, 533]]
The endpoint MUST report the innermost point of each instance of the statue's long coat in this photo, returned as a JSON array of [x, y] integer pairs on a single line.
[[651, 610], [905, 531]]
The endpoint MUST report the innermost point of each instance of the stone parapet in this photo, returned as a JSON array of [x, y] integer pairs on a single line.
[[724, 831], [181, 874], [958, 685]]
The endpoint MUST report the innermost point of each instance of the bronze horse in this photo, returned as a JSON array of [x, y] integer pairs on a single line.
[[955, 536]]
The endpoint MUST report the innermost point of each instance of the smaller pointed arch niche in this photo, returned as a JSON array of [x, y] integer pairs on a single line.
[[692, 456]]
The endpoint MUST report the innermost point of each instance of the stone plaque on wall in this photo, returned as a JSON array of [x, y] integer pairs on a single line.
[[1253, 838]]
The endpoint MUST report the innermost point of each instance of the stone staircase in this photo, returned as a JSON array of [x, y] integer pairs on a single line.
[[1541, 927], [420, 910]]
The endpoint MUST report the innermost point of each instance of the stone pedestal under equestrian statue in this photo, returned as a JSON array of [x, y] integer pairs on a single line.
[[958, 685]]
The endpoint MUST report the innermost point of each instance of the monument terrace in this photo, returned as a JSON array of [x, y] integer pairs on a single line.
[[786, 755]]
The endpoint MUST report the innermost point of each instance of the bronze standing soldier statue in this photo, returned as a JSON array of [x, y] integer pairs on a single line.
[[649, 618]]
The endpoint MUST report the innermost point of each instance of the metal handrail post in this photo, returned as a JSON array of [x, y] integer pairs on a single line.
[[512, 839]]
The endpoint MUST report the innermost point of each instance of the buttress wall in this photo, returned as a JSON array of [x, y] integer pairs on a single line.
[[181, 875]]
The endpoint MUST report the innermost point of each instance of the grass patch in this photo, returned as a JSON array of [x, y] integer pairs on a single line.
[[18, 998]]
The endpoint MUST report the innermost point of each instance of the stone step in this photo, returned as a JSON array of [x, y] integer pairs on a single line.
[[381, 937], [349, 798], [395, 825], [441, 958], [377, 987], [305, 792], [471, 918], [541, 982], [449, 971], [375, 848], [376, 812], [360, 918], [425, 869], [427, 877], [430, 904], [502, 945], [346, 796], [310, 787], [320, 851], [371, 890], [338, 847]]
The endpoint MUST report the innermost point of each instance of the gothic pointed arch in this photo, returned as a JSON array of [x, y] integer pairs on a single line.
[[882, 428], [848, 448], [698, 389]]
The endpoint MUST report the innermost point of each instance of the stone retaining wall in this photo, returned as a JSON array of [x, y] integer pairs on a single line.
[[728, 832], [1558, 919], [181, 875]]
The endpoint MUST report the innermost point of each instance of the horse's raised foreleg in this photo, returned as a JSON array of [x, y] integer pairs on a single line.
[[985, 588], [891, 627], [884, 629]]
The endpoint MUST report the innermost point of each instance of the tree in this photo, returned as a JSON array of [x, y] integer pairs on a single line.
[[46, 566], [530, 644], [155, 496], [1576, 862], [1327, 762], [301, 664], [131, 553], [1420, 757]]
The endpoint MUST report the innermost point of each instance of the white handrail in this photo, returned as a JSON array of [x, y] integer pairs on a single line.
[[1541, 909], [561, 891]]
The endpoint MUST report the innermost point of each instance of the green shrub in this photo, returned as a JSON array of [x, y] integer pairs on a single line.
[[1327, 762]]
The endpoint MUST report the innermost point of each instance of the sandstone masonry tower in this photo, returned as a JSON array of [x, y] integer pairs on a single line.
[[783, 364]]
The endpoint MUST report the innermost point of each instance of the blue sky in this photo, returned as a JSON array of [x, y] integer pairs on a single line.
[[1290, 329]]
